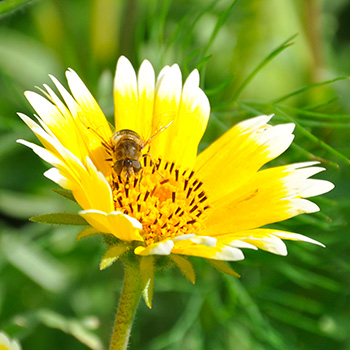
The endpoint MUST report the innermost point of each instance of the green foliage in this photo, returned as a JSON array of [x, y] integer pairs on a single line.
[[248, 66]]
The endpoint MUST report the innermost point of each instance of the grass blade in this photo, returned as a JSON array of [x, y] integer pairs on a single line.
[[270, 57], [308, 87]]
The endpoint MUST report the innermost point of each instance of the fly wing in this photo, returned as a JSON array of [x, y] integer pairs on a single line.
[[159, 125]]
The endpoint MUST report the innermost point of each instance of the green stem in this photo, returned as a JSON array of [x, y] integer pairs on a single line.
[[129, 300]]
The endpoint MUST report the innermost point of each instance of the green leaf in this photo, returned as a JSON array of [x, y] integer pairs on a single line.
[[60, 219], [65, 194], [88, 232], [34, 262], [80, 329], [7, 6], [185, 267], [223, 267], [112, 254], [147, 278]]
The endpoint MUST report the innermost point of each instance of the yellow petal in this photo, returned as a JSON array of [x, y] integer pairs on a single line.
[[89, 186], [237, 155], [266, 239], [166, 105], [219, 252], [188, 128], [272, 195], [82, 128], [118, 224], [188, 114]]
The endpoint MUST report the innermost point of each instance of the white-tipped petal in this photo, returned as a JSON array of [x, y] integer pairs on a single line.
[[270, 243], [44, 154], [241, 244], [161, 75], [228, 253], [125, 77], [7, 344], [125, 96], [204, 240], [162, 248], [146, 77], [170, 85], [254, 123], [68, 99], [56, 176], [316, 187], [296, 237], [300, 206], [184, 237], [192, 80]]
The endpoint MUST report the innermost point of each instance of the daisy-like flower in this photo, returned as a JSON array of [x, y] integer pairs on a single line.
[[151, 191], [7, 344]]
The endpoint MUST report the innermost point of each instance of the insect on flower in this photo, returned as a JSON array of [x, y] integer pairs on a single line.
[[125, 148]]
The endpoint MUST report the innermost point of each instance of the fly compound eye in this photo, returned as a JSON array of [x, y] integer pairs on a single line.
[[136, 165], [118, 167]]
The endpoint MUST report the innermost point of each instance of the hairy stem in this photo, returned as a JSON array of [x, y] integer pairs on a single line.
[[129, 300]]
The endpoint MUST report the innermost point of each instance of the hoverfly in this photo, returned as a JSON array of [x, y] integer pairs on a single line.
[[125, 148]]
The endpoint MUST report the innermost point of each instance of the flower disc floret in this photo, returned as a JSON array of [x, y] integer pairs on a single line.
[[167, 201]]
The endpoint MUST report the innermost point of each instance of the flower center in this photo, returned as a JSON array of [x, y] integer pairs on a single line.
[[166, 201]]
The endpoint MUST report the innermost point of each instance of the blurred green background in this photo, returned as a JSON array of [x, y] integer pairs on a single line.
[[52, 294]]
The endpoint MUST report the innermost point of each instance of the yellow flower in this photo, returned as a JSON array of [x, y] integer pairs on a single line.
[[211, 205], [7, 344]]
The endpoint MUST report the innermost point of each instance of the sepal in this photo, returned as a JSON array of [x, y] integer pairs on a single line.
[[147, 278], [112, 254], [185, 267], [221, 266], [60, 219], [65, 193], [88, 232]]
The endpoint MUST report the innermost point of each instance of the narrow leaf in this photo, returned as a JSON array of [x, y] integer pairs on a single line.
[[313, 138], [307, 87], [315, 115], [34, 262], [76, 327], [220, 22], [65, 194], [147, 279], [112, 255], [223, 267], [87, 232], [60, 219], [7, 6], [185, 267], [264, 62]]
